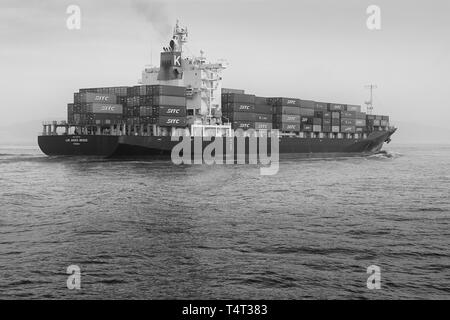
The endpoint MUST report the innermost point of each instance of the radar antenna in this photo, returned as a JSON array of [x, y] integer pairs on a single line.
[[369, 104]]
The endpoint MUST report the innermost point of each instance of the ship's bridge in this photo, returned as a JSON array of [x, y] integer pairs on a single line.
[[202, 79]]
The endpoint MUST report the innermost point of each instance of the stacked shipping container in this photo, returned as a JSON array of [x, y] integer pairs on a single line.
[[165, 106], [91, 108], [286, 115], [321, 117], [157, 104], [160, 105], [246, 111]]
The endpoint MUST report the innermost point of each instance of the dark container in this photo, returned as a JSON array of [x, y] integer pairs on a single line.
[[307, 127], [327, 115], [307, 120], [146, 120], [326, 122], [370, 117], [90, 97], [145, 90], [318, 114], [326, 129], [164, 121], [317, 121], [321, 106], [70, 118], [263, 108], [172, 101], [261, 100], [240, 98], [145, 100], [168, 111], [385, 118], [163, 90], [263, 125], [243, 125], [348, 114], [307, 104], [361, 129], [104, 108], [133, 101], [286, 110], [262, 117], [360, 115], [128, 111], [287, 102], [290, 127], [145, 111], [80, 107], [353, 107], [229, 90], [241, 116], [118, 91], [348, 129], [335, 115], [136, 111], [288, 118], [122, 100], [103, 116], [347, 122], [336, 107], [84, 90], [134, 91], [306, 112], [224, 99], [335, 122], [239, 107]]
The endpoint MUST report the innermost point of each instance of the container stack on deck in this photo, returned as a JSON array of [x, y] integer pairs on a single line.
[[91, 108], [321, 117], [159, 105], [246, 111], [286, 115], [141, 108], [290, 115]]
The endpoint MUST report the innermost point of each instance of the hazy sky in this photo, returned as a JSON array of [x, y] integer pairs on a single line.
[[319, 50]]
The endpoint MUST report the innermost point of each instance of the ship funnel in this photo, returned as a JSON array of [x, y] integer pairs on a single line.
[[171, 60]]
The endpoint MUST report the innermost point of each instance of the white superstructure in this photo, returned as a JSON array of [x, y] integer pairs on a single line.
[[202, 79]]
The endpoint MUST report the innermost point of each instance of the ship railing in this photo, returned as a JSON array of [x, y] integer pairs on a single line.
[[55, 122]]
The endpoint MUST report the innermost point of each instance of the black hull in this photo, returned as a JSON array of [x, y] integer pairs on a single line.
[[78, 145], [141, 146]]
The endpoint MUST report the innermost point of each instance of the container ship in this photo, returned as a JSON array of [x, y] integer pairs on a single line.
[[184, 98]]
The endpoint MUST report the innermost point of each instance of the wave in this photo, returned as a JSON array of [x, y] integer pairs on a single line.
[[383, 154], [13, 158], [430, 209]]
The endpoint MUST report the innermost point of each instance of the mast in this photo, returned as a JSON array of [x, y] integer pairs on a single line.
[[369, 104]]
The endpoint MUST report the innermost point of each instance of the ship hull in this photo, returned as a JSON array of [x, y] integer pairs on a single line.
[[142, 146], [78, 145]]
